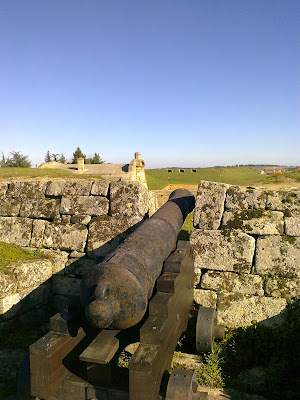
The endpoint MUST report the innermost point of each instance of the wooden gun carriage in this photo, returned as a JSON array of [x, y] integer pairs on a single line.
[[76, 361]]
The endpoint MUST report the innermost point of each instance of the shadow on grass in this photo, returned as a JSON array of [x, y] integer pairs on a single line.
[[264, 360]]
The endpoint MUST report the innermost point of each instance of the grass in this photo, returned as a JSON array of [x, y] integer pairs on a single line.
[[292, 176], [186, 228], [6, 173], [10, 253], [274, 350], [159, 178]]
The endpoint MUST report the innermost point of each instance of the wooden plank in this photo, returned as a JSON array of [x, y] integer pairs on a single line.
[[59, 322], [102, 349], [173, 262], [182, 245], [46, 368], [144, 357], [167, 282], [146, 367], [157, 328], [160, 304]]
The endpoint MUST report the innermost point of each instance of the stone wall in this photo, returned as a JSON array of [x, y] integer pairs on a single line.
[[246, 244], [72, 223]]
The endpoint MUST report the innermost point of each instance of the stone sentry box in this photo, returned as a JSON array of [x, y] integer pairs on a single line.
[[72, 223], [246, 244]]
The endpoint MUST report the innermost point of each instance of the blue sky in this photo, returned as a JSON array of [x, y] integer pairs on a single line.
[[186, 83]]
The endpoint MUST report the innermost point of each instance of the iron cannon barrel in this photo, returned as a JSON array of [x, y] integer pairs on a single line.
[[115, 293]]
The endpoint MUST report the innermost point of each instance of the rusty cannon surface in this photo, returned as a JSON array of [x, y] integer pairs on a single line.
[[115, 293]]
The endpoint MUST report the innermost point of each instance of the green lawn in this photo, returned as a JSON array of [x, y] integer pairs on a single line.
[[159, 178], [6, 173]]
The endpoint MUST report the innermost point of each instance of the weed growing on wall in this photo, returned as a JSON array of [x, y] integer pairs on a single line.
[[256, 359], [186, 228]]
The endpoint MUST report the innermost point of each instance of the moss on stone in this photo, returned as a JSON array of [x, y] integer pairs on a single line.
[[10, 253], [289, 239]]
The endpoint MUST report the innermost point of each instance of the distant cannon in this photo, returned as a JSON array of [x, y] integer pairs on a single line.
[[115, 293]]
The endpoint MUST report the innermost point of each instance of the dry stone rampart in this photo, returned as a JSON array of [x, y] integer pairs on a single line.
[[246, 245], [72, 223]]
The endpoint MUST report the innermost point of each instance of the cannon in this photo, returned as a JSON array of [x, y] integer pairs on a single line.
[[115, 293], [142, 296]]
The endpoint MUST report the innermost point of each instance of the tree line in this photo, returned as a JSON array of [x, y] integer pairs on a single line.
[[17, 159]]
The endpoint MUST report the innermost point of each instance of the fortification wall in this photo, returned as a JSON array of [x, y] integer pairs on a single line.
[[71, 223], [246, 244]]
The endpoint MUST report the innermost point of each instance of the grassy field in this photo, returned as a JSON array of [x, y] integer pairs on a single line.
[[6, 173], [286, 177], [159, 178]]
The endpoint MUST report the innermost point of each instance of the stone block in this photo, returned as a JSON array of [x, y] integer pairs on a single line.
[[57, 258], [60, 303], [37, 236], [9, 207], [292, 226], [64, 285], [38, 313], [79, 266], [65, 237], [66, 219], [40, 208], [283, 287], [69, 188], [223, 251], [31, 273], [100, 188], [8, 283], [197, 276], [104, 230], [15, 230], [209, 205], [81, 219], [232, 282], [239, 198], [77, 254], [235, 310], [286, 201], [129, 199], [27, 190], [7, 302], [255, 222], [24, 300], [278, 255], [3, 188], [205, 298], [10, 360], [153, 203], [90, 205]]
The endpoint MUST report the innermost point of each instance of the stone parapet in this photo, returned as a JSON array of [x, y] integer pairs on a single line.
[[246, 245], [209, 205], [222, 251], [71, 223]]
